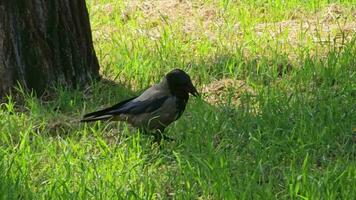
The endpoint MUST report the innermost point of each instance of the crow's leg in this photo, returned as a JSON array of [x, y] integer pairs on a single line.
[[158, 136], [169, 139], [144, 131]]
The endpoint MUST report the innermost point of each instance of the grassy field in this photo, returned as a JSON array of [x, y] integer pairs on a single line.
[[277, 118]]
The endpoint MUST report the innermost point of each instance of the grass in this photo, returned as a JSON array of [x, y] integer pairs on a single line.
[[276, 121]]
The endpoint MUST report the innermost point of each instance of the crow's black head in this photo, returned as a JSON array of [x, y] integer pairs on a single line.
[[180, 84]]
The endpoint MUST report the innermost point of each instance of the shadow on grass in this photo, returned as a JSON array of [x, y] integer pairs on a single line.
[[58, 111]]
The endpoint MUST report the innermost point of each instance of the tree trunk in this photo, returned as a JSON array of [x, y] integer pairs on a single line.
[[44, 43]]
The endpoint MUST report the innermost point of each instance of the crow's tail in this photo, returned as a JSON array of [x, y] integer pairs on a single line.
[[105, 114], [96, 118], [98, 115]]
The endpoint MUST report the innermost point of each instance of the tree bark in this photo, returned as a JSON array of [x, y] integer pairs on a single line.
[[45, 42]]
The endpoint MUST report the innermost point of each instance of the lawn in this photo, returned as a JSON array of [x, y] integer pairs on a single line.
[[276, 119]]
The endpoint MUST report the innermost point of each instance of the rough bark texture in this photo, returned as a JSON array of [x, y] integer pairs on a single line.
[[43, 42]]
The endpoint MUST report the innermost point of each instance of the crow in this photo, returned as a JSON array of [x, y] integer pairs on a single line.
[[155, 108]]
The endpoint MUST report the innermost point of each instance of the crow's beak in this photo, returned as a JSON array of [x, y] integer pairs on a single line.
[[192, 90]]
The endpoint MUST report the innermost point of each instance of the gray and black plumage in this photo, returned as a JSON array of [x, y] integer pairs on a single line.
[[155, 108]]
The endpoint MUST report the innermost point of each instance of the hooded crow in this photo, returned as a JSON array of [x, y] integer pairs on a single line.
[[155, 108]]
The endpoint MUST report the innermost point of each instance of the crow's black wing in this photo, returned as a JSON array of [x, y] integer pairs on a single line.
[[139, 107]]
